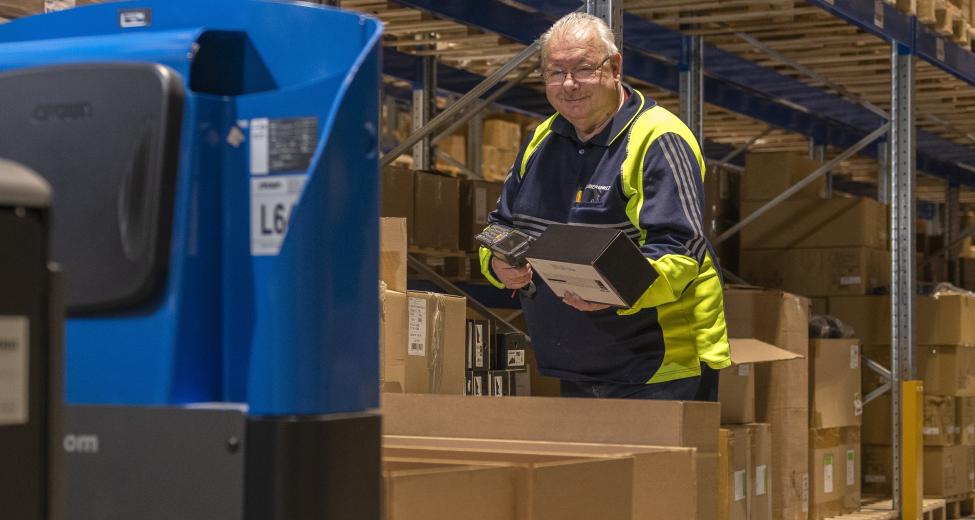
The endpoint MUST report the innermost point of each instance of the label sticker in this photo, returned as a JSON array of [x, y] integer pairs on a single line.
[[855, 357], [878, 13], [857, 405], [14, 369], [516, 358], [760, 476], [498, 385], [479, 345], [805, 492], [132, 18], [418, 328], [272, 200], [740, 485], [939, 49], [850, 280], [744, 370], [850, 467], [827, 473], [478, 386], [282, 145], [931, 430], [875, 479]]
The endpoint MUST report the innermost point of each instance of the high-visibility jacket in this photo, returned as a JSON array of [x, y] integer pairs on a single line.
[[642, 174]]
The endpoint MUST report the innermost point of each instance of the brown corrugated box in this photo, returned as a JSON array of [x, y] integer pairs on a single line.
[[620, 421], [759, 471], [478, 199], [393, 337], [670, 494], [939, 427], [736, 386], [948, 320], [781, 388], [496, 162], [501, 134], [397, 188], [814, 223], [948, 471], [769, 174], [435, 353], [553, 487], [392, 253], [436, 210], [818, 272], [735, 460], [834, 471], [433, 491], [834, 383], [965, 420], [944, 370]]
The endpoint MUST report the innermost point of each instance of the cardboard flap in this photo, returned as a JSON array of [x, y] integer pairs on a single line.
[[750, 350]]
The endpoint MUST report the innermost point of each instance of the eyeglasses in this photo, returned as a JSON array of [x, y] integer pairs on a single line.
[[583, 73]]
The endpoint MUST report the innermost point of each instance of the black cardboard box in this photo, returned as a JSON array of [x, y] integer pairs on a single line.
[[502, 382], [479, 345], [476, 383], [509, 350], [599, 264]]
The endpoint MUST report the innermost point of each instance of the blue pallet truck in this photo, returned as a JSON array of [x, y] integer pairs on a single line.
[[214, 176]]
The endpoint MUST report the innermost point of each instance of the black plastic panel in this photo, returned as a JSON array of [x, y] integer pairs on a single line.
[[106, 136]]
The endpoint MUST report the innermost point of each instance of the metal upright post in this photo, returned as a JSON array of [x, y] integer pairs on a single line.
[[611, 11], [817, 152], [424, 105], [952, 230], [692, 85], [902, 208], [883, 172]]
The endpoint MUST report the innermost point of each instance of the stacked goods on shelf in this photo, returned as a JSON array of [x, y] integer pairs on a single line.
[[721, 212], [950, 18], [423, 334], [501, 139], [945, 360], [454, 147], [834, 418], [636, 424], [495, 361], [781, 389], [808, 245], [558, 479]]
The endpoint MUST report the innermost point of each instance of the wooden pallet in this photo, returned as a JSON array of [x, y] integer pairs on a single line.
[[932, 509], [960, 506]]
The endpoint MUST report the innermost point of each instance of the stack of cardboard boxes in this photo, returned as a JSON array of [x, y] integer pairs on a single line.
[[809, 245], [945, 332], [496, 361], [501, 139]]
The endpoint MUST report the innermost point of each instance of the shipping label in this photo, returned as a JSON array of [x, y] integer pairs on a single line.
[[418, 327]]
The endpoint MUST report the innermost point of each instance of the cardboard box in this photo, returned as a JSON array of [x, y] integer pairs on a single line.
[[435, 348], [655, 493], [476, 383], [834, 383], [834, 476], [939, 427], [496, 163], [818, 272], [392, 252], [769, 174], [781, 388], [948, 471], [501, 134], [431, 491], [478, 200], [554, 487], [815, 223], [948, 320], [735, 460], [436, 212], [965, 420], [621, 421], [736, 386], [759, 472], [876, 465], [944, 370], [598, 264], [397, 188], [511, 350], [393, 339], [479, 351]]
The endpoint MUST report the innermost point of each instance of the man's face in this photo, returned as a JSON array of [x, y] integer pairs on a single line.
[[585, 103]]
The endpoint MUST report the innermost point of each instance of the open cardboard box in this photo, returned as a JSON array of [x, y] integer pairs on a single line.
[[736, 386]]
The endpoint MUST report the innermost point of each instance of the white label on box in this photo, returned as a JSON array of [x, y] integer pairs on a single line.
[[970, 429], [851, 467], [805, 487], [480, 206], [478, 389], [583, 280], [745, 369], [931, 430], [760, 477], [875, 479], [939, 49], [850, 280], [516, 358], [478, 345], [272, 200], [855, 357], [827, 473], [498, 385], [260, 136], [14, 369], [878, 13], [971, 476], [740, 485], [418, 327]]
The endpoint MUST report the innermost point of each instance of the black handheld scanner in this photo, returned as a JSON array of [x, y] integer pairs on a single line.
[[510, 246]]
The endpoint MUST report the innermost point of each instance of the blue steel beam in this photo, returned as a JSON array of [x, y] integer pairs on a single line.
[[733, 83]]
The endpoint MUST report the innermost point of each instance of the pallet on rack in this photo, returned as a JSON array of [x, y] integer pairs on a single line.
[[960, 506], [873, 509]]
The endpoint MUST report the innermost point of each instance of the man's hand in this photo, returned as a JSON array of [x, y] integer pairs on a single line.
[[574, 301], [512, 277]]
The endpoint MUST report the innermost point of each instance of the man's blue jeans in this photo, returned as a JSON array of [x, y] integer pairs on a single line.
[[700, 388]]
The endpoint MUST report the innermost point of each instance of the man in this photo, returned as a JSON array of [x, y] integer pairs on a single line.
[[611, 157]]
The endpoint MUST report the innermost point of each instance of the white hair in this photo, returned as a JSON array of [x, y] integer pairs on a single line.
[[582, 26]]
